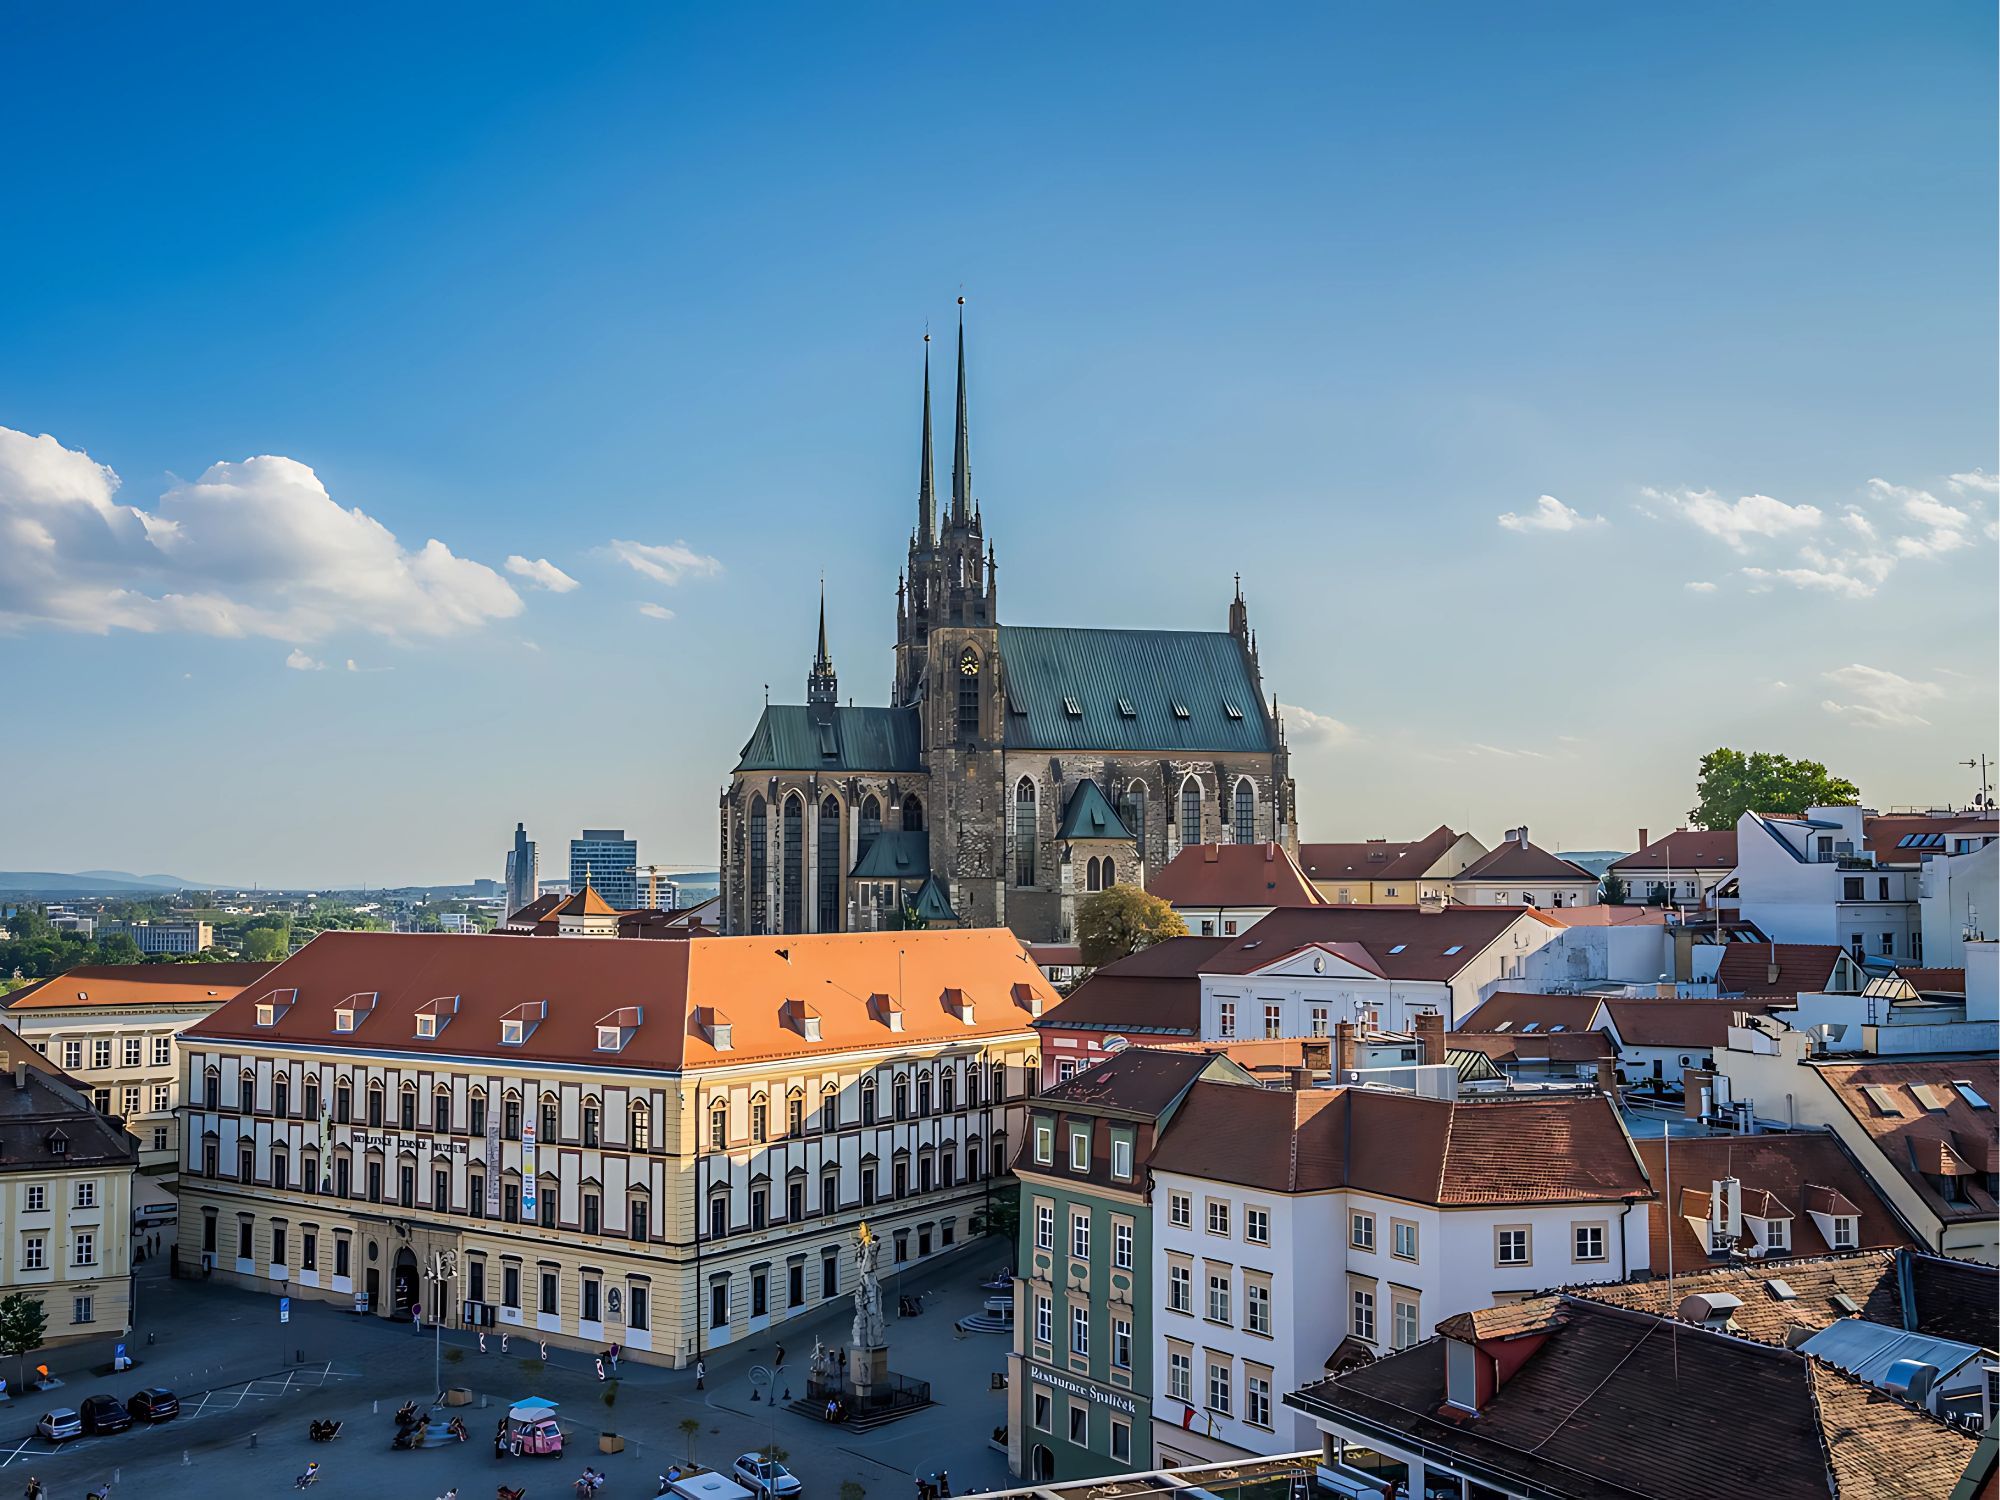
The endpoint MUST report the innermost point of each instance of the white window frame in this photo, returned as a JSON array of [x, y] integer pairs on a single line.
[[1180, 1210], [1045, 1320], [1121, 1245], [1045, 1226]]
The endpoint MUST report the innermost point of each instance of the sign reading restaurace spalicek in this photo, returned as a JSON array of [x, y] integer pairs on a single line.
[[1082, 1388]]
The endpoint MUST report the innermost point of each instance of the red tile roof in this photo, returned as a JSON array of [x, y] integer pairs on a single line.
[[1513, 1012], [1376, 859], [1802, 967], [1683, 851], [1154, 991], [1512, 859], [1934, 981], [136, 984], [1917, 1137], [1218, 875], [1883, 832], [1606, 916], [1424, 938], [1673, 1023], [750, 981], [1808, 1169]]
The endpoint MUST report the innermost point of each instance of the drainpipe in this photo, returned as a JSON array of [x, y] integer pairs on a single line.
[[700, 1214], [1624, 1270]]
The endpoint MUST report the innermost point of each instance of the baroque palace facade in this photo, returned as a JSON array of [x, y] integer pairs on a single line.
[[1015, 769], [665, 1145]]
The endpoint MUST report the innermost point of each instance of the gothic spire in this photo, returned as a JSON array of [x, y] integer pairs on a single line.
[[926, 483], [823, 660], [822, 686], [961, 456]]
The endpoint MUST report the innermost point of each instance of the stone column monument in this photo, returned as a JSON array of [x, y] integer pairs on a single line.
[[868, 1351]]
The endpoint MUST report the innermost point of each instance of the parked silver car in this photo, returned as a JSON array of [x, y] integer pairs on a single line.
[[60, 1425], [772, 1481]]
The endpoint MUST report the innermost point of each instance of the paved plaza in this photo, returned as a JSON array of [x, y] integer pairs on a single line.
[[250, 1387]]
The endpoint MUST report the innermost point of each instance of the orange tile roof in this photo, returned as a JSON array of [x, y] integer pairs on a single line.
[[753, 982], [166, 985], [1919, 1141], [1233, 875]]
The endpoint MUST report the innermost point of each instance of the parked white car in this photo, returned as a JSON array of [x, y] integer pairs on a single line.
[[771, 1480]]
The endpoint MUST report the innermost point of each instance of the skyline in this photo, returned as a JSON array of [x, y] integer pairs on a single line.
[[1574, 394]]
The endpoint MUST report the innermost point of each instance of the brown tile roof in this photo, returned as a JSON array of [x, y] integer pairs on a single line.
[[1376, 859], [1683, 851], [1952, 1299], [1883, 832], [1911, 1135], [1156, 991], [1542, 1046], [1866, 1278], [1218, 875], [1511, 859], [1423, 937], [1567, 1149], [1536, 1315], [1613, 1405], [1934, 981], [1515, 1012], [1139, 1080], [136, 984], [1802, 1168], [1606, 916], [580, 980], [1673, 1023], [1802, 967]]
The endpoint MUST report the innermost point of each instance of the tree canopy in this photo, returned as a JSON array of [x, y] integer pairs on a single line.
[[1123, 920], [1732, 783]]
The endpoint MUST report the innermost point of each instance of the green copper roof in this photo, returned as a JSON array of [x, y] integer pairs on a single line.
[[932, 904], [895, 856], [1090, 816], [1143, 691], [855, 739]]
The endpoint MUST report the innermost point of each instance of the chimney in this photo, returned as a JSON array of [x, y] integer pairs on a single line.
[[1343, 1047], [1430, 1037], [20, 1073], [1771, 968], [1643, 840], [1607, 1076]]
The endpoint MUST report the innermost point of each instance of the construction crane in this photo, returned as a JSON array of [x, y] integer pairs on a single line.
[[651, 874]]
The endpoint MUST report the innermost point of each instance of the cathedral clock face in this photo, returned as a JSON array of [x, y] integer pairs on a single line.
[[968, 664]]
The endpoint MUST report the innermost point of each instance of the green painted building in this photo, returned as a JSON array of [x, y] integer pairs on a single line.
[[1079, 1378]]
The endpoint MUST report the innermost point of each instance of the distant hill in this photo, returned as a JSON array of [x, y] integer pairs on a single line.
[[1597, 861], [93, 882]]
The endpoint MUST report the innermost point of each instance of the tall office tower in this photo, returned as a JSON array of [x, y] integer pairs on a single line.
[[610, 859], [522, 870]]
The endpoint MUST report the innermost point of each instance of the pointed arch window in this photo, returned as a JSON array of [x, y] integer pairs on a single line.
[[1109, 872], [913, 814], [793, 858], [1132, 811], [641, 1131], [826, 866], [1246, 812], [1190, 812], [760, 864], [1024, 832], [968, 693], [1090, 873], [871, 826]]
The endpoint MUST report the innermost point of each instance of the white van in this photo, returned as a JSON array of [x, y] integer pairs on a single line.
[[706, 1484]]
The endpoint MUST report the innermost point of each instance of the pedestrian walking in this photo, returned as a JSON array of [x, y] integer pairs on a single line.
[[616, 1350], [35, 1490], [700, 1376], [780, 1360]]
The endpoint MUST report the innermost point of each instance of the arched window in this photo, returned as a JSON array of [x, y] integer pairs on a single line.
[[1132, 811], [375, 1101], [718, 1128], [899, 1095], [406, 1105], [551, 1125], [948, 1089], [924, 1092], [829, 1108], [867, 1101], [913, 814], [1190, 812], [1110, 872], [211, 1087], [1246, 812], [760, 860], [441, 1110], [871, 826], [1090, 873], [281, 1095], [826, 865], [1024, 832], [641, 1130], [343, 1101], [246, 1093], [793, 861], [968, 693], [593, 1115], [311, 1109]]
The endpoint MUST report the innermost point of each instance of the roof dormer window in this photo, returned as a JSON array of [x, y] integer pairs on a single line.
[[1231, 710], [1126, 710], [271, 1009], [607, 1039], [512, 1033], [427, 1026], [351, 1012], [267, 1013], [343, 1018], [1181, 711], [1071, 707], [618, 1028]]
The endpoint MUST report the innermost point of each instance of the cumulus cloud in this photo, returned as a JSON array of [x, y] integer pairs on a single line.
[[656, 612], [1699, 586], [1550, 514], [1306, 728], [1740, 521], [665, 563], [298, 661], [1978, 480], [256, 548], [542, 573], [1879, 699], [1946, 528]]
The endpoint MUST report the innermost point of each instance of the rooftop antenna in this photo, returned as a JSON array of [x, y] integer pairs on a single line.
[[1985, 782]]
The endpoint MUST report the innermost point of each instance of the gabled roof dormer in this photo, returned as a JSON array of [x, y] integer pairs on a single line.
[[713, 1027], [518, 1024], [351, 1012], [434, 1015], [618, 1028], [1027, 997], [801, 1019], [885, 1010], [272, 1006], [958, 1003]]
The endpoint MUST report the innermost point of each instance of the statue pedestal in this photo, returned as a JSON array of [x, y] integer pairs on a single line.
[[867, 1369]]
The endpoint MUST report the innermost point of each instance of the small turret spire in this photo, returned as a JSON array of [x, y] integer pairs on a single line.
[[822, 659], [926, 482], [822, 686], [961, 455]]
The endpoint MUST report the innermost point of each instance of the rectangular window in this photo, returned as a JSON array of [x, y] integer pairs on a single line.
[[1079, 1426], [82, 1310], [1402, 1239], [1180, 1289], [1045, 1226], [1510, 1247], [163, 1051], [590, 1295], [1403, 1323], [1361, 1231], [1121, 1246], [278, 1245], [86, 1248], [1045, 1320], [1079, 1330], [163, 1096], [1079, 1236], [1079, 1151], [1274, 1021], [1218, 1388], [131, 1051], [1317, 1016], [86, 1195], [343, 1251], [1121, 1160], [72, 1056], [1590, 1242], [1044, 1411], [308, 1250], [34, 1252], [1218, 1217], [1045, 1144], [1121, 1343], [1256, 1308], [1180, 1210], [1218, 1297], [1257, 1226], [1257, 1400], [1362, 1325], [1180, 1377], [510, 1286], [550, 1300], [38, 1198], [639, 1312], [1225, 1019], [100, 1052], [1121, 1441]]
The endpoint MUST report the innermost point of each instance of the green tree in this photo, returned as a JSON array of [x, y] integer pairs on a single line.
[[1003, 1214], [1615, 890], [1123, 920], [23, 1322], [689, 1427], [1732, 783], [264, 945]]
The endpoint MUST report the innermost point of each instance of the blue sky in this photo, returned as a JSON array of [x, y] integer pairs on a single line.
[[1320, 294]]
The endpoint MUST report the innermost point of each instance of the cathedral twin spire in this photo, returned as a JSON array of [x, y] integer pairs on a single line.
[[964, 511]]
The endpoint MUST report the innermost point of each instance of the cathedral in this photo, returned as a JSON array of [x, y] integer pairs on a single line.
[[1017, 768]]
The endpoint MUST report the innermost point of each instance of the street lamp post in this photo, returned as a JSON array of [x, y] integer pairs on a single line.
[[443, 1269]]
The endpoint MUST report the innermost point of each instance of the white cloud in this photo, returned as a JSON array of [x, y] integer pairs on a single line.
[[1978, 479], [1550, 514], [542, 573], [1736, 522], [256, 548], [1306, 728], [1880, 699], [656, 612], [1698, 586], [1859, 524], [1477, 749], [298, 661], [665, 563], [1844, 585], [1946, 527]]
